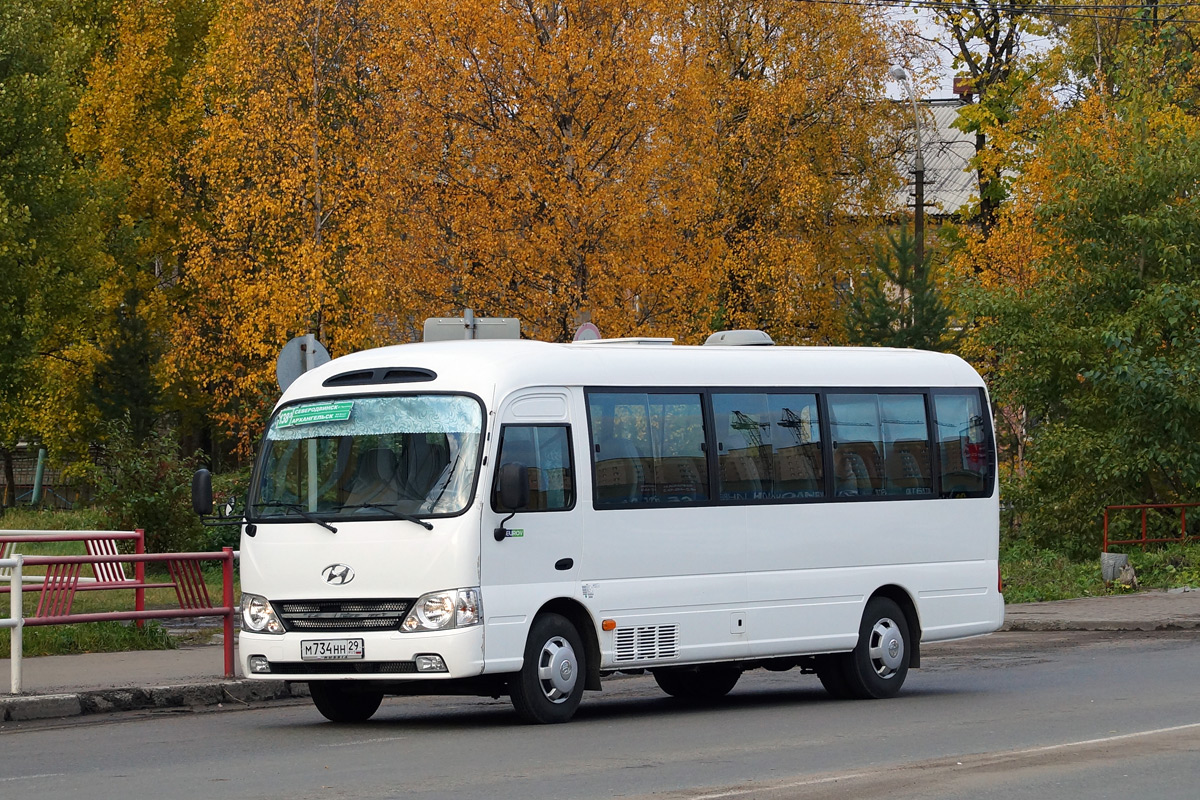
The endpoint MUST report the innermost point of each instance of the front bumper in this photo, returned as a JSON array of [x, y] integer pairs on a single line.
[[387, 656]]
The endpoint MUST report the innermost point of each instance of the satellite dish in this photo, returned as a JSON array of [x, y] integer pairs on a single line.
[[297, 357]]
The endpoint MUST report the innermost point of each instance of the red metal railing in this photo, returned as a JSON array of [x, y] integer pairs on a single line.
[[97, 543], [1145, 539], [62, 580]]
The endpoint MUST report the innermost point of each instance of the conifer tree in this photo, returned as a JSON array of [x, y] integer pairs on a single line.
[[898, 303]]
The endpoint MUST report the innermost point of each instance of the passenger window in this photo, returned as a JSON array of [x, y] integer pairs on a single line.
[[546, 451], [798, 470], [854, 428], [905, 444], [648, 448], [967, 459], [768, 446]]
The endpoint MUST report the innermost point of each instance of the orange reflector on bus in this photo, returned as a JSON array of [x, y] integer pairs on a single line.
[[608, 624]]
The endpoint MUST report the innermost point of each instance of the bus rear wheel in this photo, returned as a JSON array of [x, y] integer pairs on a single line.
[[550, 684], [697, 683], [878, 664], [342, 704]]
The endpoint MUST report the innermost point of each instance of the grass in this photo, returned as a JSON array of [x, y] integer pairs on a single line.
[[1032, 574], [93, 637]]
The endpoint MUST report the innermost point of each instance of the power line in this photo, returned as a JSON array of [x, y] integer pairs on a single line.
[[1056, 10]]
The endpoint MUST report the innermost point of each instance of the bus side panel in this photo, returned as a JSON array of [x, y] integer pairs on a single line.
[[812, 568], [678, 574]]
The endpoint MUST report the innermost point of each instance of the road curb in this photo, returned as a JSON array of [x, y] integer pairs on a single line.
[[104, 701], [1057, 625]]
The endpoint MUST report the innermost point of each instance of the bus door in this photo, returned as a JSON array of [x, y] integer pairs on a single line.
[[534, 555]]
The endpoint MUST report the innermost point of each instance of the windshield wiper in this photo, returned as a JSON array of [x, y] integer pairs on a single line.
[[390, 511], [302, 511]]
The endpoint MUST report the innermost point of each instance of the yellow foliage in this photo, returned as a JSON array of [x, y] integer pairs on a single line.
[[666, 166]]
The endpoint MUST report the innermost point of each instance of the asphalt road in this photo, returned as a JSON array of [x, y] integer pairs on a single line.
[[1015, 715]]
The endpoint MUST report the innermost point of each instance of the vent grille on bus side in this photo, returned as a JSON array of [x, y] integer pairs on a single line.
[[650, 642], [342, 615]]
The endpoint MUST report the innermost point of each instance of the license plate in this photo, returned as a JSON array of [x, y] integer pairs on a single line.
[[323, 649]]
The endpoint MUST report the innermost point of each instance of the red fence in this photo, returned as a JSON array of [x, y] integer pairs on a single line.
[[63, 579], [96, 543], [1144, 539]]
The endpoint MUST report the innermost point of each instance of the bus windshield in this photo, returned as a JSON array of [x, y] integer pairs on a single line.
[[363, 457]]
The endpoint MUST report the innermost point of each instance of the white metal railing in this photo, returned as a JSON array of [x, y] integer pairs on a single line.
[[16, 619]]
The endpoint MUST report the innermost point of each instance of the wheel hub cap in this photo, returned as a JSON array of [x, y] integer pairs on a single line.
[[556, 669], [887, 648]]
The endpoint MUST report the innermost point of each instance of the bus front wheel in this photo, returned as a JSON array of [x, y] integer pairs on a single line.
[[340, 704], [550, 684]]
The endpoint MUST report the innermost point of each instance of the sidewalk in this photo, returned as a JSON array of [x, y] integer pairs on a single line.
[[96, 683], [69, 686]]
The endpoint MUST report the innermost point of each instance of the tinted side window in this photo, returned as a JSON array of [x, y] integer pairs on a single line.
[[880, 445], [768, 446], [648, 448], [905, 444], [857, 440], [964, 444], [546, 451]]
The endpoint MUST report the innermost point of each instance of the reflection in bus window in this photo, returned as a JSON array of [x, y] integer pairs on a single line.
[[768, 446], [545, 450], [649, 448], [905, 444], [854, 429], [962, 444]]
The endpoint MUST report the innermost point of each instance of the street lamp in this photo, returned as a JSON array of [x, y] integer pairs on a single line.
[[918, 169]]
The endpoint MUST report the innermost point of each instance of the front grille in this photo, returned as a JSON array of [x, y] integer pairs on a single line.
[[342, 667], [342, 616]]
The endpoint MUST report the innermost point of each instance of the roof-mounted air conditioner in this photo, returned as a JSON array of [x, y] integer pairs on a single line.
[[743, 338]]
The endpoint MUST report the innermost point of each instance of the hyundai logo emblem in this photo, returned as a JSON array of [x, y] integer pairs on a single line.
[[338, 574]]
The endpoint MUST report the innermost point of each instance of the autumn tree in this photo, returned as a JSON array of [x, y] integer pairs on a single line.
[[131, 129], [786, 128], [531, 179], [281, 102], [1102, 45], [667, 166], [989, 46]]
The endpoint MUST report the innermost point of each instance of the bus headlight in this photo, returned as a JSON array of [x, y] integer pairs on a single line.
[[258, 616], [439, 611]]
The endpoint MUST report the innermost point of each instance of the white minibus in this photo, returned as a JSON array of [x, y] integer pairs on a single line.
[[523, 518]]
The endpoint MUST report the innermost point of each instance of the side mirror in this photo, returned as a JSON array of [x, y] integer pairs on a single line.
[[513, 483], [202, 495]]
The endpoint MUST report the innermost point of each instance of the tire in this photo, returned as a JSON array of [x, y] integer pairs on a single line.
[[342, 704], [878, 665], [550, 684], [831, 669], [697, 683]]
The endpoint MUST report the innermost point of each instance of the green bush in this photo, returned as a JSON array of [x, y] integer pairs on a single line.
[[1033, 574], [1168, 567], [147, 484]]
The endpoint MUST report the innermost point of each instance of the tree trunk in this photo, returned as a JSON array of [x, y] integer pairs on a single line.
[[10, 481]]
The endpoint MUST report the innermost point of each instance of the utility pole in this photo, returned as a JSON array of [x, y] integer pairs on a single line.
[[918, 170]]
